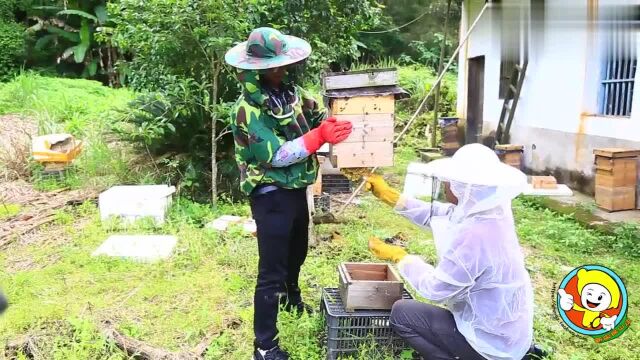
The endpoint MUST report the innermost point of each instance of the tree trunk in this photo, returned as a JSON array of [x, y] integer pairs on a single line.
[[443, 47], [216, 66]]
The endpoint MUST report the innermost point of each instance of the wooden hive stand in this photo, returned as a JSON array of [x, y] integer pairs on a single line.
[[367, 100]]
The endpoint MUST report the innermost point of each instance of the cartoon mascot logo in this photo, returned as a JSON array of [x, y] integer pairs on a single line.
[[592, 300]]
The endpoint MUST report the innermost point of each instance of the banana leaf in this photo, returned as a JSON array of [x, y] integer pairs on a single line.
[[101, 14], [71, 36], [81, 13]]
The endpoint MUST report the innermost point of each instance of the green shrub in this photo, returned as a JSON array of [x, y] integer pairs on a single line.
[[418, 80], [176, 51], [7, 8], [12, 48]]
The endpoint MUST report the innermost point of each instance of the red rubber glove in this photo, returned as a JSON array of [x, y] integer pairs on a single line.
[[330, 131]]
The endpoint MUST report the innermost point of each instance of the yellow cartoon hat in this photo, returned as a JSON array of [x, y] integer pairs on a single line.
[[600, 277]]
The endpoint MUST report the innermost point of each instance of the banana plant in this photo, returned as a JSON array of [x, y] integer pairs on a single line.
[[82, 31]]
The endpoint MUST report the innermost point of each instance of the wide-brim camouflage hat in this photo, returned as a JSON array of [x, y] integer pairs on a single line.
[[267, 48]]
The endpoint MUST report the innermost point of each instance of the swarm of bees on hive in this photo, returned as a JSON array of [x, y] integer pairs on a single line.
[[355, 174]]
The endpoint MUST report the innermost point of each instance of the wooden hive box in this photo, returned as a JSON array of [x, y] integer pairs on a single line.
[[449, 135], [365, 286], [544, 182], [367, 100], [510, 154], [616, 178]]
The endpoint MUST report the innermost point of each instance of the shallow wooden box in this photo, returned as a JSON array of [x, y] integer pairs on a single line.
[[544, 182], [366, 286]]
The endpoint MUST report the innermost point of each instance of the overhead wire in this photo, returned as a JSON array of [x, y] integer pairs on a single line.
[[397, 27]]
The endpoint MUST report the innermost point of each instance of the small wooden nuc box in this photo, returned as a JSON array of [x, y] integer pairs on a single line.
[[544, 182], [367, 100], [366, 286]]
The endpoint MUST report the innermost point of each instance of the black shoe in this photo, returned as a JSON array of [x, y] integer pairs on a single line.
[[535, 353], [274, 354], [3, 303]]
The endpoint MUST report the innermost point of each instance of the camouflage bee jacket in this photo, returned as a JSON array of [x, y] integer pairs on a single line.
[[264, 124]]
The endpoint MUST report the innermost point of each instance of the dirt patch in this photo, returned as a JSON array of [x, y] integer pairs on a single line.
[[48, 236], [18, 192], [16, 133], [43, 210]]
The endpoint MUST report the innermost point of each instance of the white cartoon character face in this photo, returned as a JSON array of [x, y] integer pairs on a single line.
[[596, 297]]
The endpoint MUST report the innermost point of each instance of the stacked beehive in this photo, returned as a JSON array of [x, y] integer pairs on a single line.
[[510, 154], [449, 135], [616, 178], [367, 99]]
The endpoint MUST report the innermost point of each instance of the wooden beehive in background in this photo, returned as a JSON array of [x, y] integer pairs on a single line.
[[366, 286], [616, 178], [449, 135], [367, 100], [510, 154]]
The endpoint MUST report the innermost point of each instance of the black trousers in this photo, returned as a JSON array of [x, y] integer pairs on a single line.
[[282, 220], [431, 331]]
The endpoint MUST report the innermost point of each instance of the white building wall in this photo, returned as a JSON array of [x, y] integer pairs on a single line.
[[555, 116]]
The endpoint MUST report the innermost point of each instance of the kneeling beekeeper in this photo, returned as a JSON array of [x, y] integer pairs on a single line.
[[277, 129], [480, 279]]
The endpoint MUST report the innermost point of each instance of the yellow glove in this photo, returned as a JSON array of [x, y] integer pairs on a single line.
[[382, 190], [384, 251]]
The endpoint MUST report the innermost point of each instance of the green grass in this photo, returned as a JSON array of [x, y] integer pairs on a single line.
[[210, 280], [9, 210], [84, 108], [556, 245], [60, 294]]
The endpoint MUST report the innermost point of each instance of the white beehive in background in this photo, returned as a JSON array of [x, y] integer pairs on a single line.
[[133, 202]]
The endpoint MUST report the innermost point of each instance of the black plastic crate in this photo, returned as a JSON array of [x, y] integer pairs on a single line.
[[348, 331], [336, 184]]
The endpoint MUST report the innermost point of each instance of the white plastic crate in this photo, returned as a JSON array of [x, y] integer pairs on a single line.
[[133, 202]]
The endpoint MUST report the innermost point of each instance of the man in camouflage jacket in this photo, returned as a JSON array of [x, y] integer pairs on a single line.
[[277, 128]]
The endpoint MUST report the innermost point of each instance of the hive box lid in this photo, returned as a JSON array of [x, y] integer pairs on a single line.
[[360, 79], [395, 90], [138, 191], [142, 248], [616, 152]]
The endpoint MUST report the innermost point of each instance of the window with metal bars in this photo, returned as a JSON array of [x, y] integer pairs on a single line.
[[618, 74]]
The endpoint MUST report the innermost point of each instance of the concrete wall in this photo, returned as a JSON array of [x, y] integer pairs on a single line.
[[556, 117]]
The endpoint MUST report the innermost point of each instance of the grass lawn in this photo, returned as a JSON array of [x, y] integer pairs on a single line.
[[60, 294]]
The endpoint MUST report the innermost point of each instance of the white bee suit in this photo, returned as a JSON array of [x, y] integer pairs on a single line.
[[480, 276]]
